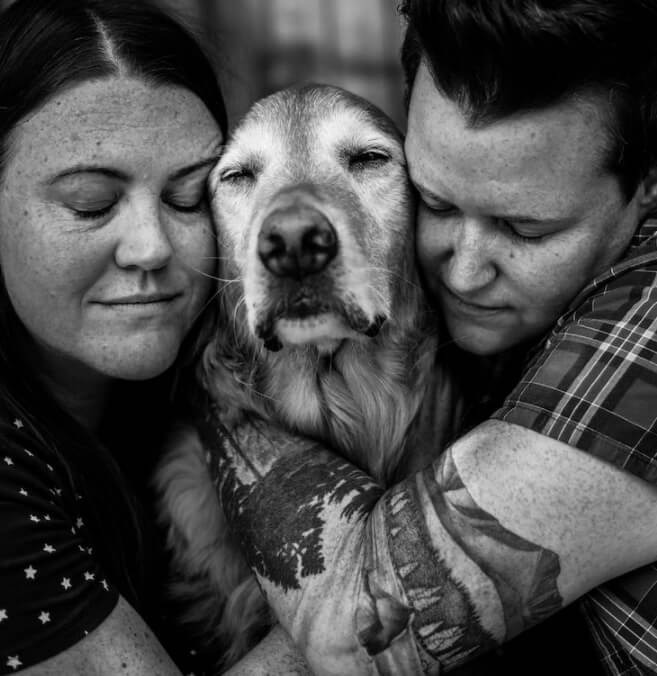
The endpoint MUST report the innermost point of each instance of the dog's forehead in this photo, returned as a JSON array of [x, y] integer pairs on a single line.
[[298, 120]]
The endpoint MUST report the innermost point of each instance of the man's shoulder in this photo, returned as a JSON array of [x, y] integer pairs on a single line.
[[626, 292], [645, 236], [592, 383]]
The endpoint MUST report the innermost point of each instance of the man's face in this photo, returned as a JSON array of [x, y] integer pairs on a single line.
[[515, 217]]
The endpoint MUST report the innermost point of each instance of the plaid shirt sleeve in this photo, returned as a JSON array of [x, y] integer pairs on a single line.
[[593, 386]]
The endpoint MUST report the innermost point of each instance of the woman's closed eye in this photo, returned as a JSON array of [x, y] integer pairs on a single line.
[[92, 207], [88, 194], [187, 202]]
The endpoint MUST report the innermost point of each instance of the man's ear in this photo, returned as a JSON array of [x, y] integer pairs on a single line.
[[648, 193]]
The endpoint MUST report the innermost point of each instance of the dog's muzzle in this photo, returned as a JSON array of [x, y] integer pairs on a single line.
[[297, 243]]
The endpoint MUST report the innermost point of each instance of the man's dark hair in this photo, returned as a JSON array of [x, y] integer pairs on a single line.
[[495, 58]]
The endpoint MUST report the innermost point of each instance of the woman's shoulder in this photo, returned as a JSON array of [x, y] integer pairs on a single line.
[[122, 643], [54, 591]]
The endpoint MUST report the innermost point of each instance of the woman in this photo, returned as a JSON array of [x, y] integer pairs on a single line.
[[111, 118]]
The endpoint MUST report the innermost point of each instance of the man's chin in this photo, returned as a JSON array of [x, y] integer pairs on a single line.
[[481, 341]]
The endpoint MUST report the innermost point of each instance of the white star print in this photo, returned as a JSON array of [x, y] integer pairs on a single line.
[[34, 518], [8, 460], [18, 424], [104, 584], [44, 617], [3, 614], [29, 453], [90, 550], [58, 491], [30, 573], [66, 582], [47, 517], [89, 576], [50, 467], [23, 492], [49, 548], [14, 662], [79, 522]]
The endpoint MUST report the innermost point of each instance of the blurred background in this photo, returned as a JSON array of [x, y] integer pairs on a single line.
[[260, 46]]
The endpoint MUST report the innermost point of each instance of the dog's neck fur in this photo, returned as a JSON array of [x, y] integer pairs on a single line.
[[362, 401]]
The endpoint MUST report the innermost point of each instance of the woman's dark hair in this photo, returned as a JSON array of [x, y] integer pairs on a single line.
[[47, 46], [498, 58]]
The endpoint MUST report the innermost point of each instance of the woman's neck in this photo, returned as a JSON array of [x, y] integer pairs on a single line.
[[82, 392]]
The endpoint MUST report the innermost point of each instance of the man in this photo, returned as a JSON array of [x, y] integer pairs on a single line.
[[532, 130]]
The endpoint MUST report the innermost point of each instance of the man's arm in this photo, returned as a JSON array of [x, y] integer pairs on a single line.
[[506, 528]]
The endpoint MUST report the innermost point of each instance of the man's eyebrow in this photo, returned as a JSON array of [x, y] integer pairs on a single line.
[[520, 219]]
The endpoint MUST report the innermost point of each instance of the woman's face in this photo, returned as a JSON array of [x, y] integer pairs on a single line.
[[106, 244]]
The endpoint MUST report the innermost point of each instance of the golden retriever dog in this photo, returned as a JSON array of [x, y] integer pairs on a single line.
[[322, 324]]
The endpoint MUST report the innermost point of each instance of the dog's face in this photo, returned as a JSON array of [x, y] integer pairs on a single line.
[[313, 211]]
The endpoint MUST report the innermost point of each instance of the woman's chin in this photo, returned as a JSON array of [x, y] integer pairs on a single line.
[[138, 364]]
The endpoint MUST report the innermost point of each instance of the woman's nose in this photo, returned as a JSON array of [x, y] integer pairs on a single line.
[[144, 241], [470, 265]]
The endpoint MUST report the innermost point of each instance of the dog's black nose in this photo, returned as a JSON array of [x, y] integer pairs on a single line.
[[296, 241]]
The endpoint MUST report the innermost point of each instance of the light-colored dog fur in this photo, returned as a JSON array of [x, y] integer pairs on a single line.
[[354, 376]]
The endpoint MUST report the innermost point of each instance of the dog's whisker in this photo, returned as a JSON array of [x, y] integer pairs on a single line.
[[241, 301], [393, 274], [205, 274], [216, 258], [206, 304]]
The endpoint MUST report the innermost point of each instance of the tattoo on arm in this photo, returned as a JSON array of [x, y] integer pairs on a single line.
[[434, 561], [279, 514], [471, 582]]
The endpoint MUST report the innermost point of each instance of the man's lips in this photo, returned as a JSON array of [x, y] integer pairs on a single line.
[[464, 303]]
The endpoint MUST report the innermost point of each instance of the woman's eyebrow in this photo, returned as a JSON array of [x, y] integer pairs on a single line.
[[87, 169], [201, 164]]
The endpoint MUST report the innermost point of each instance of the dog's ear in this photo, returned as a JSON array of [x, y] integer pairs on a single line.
[[228, 367]]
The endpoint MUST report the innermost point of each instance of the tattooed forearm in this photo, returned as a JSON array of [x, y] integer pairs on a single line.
[[278, 506], [367, 582], [471, 582]]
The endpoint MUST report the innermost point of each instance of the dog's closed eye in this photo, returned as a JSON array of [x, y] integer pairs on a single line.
[[238, 175], [359, 160]]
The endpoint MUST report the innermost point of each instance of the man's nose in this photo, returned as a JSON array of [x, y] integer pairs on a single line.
[[144, 240], [471, 264]]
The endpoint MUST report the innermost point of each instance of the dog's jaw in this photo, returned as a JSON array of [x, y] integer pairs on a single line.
[[325, 331]]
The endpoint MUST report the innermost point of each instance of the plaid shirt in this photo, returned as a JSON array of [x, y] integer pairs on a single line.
[[593, 385]]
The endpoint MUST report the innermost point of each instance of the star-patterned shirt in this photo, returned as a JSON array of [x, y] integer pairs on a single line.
[[53, 592]]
